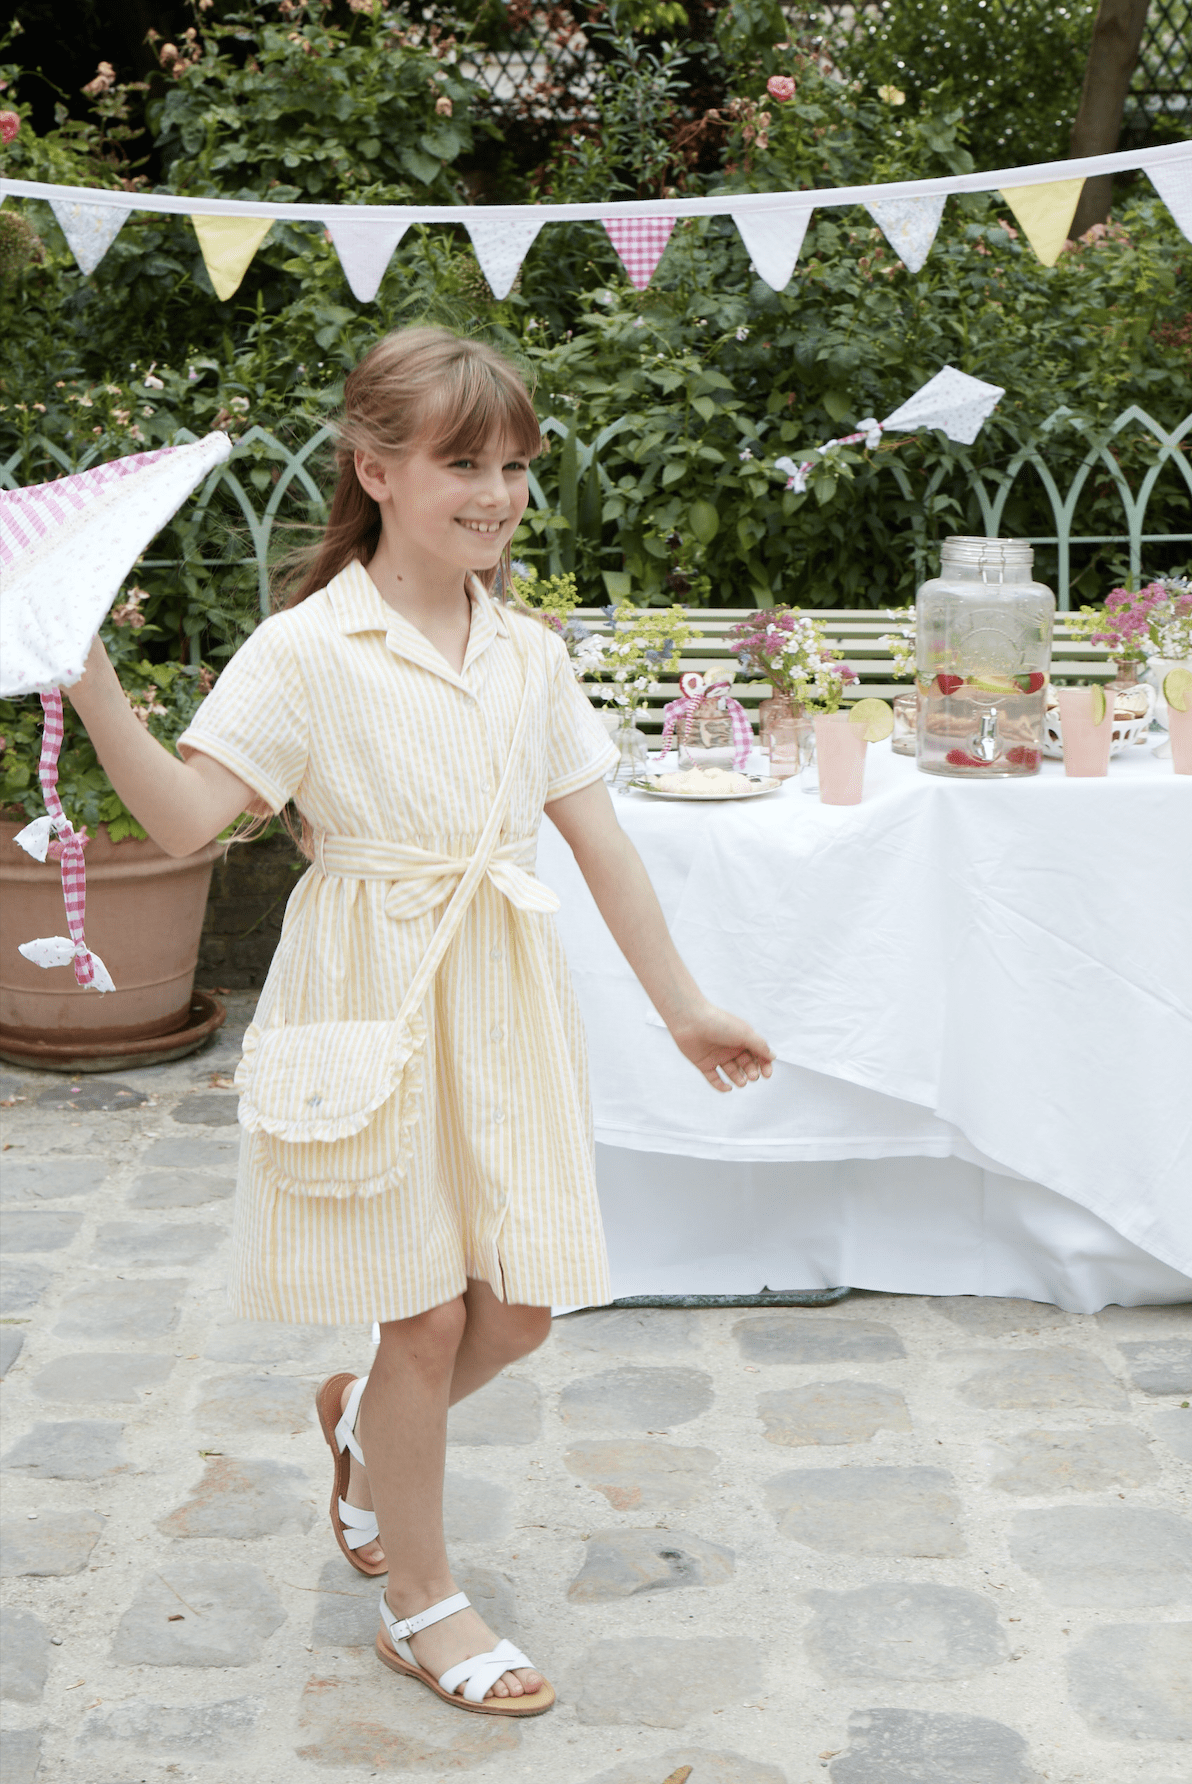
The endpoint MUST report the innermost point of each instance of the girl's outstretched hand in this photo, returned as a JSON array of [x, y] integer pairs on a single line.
[[716, 1042]]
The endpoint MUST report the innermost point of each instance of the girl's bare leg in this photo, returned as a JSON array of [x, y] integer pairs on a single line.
[[423, 1365]]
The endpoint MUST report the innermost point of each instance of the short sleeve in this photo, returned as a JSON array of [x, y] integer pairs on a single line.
[[578, 748], [254, 721]]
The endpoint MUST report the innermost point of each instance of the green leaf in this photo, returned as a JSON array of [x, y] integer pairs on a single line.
[[423, 167], [618, 583], [703, 405], [705, 521], [671, 473], [837, 403]]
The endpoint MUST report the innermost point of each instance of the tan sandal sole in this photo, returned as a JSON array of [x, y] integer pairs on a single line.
[[527, 1705], [328, 1407]]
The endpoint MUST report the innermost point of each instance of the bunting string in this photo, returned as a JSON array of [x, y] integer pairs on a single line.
[[772, 225]]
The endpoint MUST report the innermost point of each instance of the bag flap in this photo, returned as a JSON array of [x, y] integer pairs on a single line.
[[320, 1080]]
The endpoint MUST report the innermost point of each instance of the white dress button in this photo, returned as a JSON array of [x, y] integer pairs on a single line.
[[486, 786], [496, 1034], [496, 954], [498, 1115]]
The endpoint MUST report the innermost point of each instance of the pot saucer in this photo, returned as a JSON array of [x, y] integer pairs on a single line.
[[207, 1015]]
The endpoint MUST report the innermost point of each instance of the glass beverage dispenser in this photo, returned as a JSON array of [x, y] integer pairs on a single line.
[[983, 647]]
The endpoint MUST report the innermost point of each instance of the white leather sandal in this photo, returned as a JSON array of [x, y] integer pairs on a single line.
[[477, 1675], [353, 1527]]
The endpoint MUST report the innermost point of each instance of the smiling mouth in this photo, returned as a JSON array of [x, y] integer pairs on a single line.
[[488, 529]]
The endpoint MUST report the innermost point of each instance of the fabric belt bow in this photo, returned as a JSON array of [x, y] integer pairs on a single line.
[[421, 878]]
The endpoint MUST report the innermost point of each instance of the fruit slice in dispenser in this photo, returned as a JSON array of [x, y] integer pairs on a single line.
[[948, 684], [873, 719], [1030, 684]]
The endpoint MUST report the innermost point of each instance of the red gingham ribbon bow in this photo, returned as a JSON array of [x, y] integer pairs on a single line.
[[692, 698]]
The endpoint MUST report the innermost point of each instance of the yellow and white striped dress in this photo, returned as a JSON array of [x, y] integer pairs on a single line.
[[343, 706]]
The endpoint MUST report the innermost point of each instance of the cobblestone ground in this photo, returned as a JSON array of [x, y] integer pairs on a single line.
[[896, 1541]]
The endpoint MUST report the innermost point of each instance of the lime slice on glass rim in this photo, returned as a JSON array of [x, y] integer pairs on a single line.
[[1098, 703], [873, 719], [1177, 688]]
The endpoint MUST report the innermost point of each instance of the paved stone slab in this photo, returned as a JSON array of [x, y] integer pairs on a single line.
[[657, 1682], [129, 1313], [925, 1747], [1160, 1368], [1109, 1557], [707, 1767], [198, 1613], [635, 1399], [12, 1343], [1089, 1461], [193, 1152], [204, 1729], [831, 1412], [628, 1563], [97, 1376], [133, 1242], [1038, 1380], [73, 1449], [37, 1229], [179, 1189], [45, 1179], [506, 1411], [264, 1341], [238, 1500], [52, 1543], [643, 1476], [474, 1510], [868, 1511], [251, 1403], [346, 1613], [791, 1336], [346, 1721], [1175, 1428], [25, 1651], [210, 1109], [1129, 1682], [20, 1754], [988, 1316], [627, 1332], [93, 1093], [893, 1631], [22, 1285]]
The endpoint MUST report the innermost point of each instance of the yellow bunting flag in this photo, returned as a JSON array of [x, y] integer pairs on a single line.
[[228, 245], [1045, 214]]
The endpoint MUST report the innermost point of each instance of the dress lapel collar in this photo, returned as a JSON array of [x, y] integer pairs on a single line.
[[358, 606]]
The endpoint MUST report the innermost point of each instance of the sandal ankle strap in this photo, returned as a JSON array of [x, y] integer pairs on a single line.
[[402, 1628], [345, 1431]]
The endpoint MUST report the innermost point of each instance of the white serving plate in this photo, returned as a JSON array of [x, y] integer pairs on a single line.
[[762, 785]]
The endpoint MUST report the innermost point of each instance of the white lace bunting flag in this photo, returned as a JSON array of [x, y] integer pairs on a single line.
[[501, 245], [1173, 182], [773, 240], [909, 225], [90, 229], [365, 247]]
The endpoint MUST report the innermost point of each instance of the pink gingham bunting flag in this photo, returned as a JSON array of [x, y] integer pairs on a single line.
[[640, 241]]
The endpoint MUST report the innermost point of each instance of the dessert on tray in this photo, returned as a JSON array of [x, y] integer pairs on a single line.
[[721, 781]]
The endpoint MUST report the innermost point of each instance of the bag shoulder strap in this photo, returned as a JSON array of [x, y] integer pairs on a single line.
[[486, 848]]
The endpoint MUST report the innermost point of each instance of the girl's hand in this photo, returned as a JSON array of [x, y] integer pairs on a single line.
[[716, 1042]]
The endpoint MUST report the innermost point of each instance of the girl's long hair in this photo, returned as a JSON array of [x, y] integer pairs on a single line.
[[417, 387]]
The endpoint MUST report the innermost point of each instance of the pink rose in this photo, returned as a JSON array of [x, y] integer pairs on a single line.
[[10, 124], [780, 87]]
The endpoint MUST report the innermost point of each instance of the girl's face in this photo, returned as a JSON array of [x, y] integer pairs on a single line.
[[460, 512]]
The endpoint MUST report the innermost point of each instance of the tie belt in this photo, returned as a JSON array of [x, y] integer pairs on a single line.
[[420, 879]]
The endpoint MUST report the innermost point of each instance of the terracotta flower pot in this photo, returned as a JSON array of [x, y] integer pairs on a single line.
[[144, 918]]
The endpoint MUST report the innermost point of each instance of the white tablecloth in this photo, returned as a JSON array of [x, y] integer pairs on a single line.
[[998, 975]]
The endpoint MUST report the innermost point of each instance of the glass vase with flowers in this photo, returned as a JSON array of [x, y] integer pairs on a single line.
[[901, 646], [1149, 631], [788, 649], [646, 643]]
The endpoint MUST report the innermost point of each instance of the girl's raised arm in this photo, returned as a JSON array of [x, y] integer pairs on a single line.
[[181, 804], [713, 1040]]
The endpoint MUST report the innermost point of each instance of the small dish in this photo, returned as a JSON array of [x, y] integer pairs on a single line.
[[762, 785]]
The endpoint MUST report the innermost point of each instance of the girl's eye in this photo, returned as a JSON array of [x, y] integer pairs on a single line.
[[515, 464], [461, 464]]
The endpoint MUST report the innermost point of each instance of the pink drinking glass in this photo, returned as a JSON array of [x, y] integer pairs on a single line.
[[840, 754], [1179, 731], [1086, 745]]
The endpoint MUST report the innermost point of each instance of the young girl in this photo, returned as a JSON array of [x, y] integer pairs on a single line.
[[418, 1145]]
